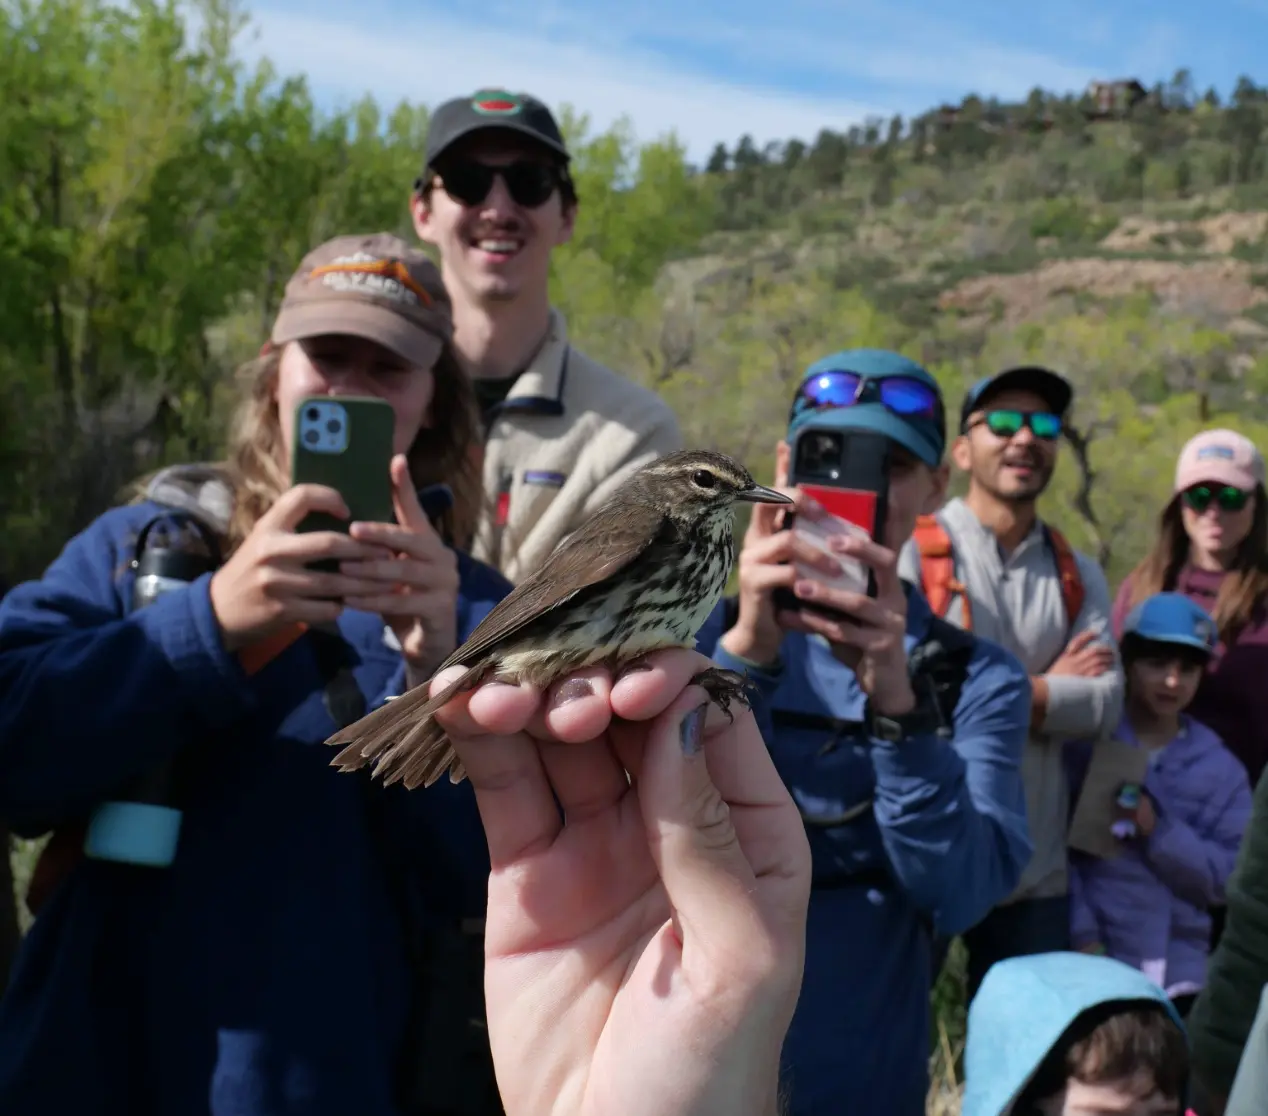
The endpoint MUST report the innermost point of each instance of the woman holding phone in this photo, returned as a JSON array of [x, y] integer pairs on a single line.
[[261, 963]]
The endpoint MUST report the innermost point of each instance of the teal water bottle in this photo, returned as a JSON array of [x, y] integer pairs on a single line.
[[142, 825]]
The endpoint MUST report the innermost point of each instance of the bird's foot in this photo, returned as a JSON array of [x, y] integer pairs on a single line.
[[723, 687]]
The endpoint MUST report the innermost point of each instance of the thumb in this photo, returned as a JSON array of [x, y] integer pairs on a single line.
[[692, 840]]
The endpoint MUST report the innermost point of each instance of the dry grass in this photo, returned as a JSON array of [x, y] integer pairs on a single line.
[[947, 1041], [23, 855], [945, 1088]]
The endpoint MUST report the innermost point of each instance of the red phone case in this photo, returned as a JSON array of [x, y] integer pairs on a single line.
[[851, 504]]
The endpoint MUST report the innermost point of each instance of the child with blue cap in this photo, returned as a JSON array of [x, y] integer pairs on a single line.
[[1177, 833], [1069, 1034]]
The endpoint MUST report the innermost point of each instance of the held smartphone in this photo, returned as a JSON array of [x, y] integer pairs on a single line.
[[847, 473], [345, 443]]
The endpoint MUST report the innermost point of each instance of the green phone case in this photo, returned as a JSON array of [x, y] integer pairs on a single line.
[[345, 443]]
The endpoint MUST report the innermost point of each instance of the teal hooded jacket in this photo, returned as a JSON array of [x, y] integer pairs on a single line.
[[1023, 1008]]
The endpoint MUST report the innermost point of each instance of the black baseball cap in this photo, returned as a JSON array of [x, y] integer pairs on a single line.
[[1053, 389], [488, 109]]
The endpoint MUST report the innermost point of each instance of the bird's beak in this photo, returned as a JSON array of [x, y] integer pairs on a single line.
[[760, 494]]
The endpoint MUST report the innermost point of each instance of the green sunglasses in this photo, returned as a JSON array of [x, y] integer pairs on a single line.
[[1004, 424], [1229, 498]]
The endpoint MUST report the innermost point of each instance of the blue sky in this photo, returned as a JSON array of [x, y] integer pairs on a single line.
[[712, 70]]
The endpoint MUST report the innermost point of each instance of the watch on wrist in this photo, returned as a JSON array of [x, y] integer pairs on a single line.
[[923, 718]]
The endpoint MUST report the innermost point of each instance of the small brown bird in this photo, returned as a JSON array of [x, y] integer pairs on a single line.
[[642, 574]]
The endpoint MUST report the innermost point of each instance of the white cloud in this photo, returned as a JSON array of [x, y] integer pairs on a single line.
[[428, 58]]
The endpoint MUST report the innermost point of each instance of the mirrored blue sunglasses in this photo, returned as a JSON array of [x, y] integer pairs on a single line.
[[904, 395]]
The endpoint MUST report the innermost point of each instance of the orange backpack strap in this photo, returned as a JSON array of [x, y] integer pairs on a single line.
[[937, 568], [1072, 588]]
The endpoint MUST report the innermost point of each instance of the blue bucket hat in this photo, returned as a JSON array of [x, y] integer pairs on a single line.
[[1025, 1005], [1172, 618], [923, 436]]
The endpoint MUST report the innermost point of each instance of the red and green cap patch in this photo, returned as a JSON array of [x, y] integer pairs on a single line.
[[496, 102]]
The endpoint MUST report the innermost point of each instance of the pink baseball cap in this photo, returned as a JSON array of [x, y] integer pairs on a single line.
[[1221, 456]]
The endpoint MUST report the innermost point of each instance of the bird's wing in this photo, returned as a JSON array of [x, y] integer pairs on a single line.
[[598, 550]]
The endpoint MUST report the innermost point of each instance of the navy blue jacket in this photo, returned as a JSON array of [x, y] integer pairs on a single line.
[[937, 838], [264, 972]]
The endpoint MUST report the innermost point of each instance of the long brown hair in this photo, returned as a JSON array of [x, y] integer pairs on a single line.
[[1243, 593], [447, 451]]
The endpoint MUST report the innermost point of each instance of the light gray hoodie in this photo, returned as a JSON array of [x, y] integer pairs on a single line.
[[1016, 602]]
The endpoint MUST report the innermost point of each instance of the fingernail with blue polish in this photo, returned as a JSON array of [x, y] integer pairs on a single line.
[[691, 731]]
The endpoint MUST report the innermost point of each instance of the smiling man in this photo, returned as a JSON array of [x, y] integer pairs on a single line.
[[561, 430], [990, 564]]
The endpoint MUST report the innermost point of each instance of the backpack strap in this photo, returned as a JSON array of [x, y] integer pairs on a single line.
[[937, 569], [943, 657], [1073, 591], [444, 1066]]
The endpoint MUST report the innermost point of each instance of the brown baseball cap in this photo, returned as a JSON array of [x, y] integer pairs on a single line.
[[372, 286]]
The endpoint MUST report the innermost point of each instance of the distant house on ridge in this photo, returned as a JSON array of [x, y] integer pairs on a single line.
[[1108, 100]]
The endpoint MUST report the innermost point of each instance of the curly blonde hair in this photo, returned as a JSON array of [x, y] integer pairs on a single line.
[[448, 451]]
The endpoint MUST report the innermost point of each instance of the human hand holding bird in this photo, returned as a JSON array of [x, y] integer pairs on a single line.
[[641, 575], [646, 935]]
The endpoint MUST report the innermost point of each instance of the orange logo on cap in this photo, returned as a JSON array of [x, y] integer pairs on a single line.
[[393, 269]]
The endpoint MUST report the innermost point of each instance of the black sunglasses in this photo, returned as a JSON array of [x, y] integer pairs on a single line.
[[1005, 424], [529, 183], [1229, 498]]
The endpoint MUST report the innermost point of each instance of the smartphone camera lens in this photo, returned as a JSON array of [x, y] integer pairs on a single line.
[[819, 455], [311, 437], [312, 414], [333, 426]]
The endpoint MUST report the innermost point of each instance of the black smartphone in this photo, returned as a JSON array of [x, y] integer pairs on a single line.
[[847, 473]]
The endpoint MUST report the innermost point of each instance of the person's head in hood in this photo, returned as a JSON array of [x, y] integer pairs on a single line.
[[1073, 1034]]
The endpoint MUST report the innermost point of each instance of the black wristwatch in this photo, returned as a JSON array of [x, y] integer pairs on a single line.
[[923, 718]]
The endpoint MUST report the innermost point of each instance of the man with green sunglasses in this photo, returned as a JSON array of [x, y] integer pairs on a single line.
[[989, 563]]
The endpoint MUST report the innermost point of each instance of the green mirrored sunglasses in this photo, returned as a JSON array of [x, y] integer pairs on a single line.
[[1228, 497], [1004, 424]]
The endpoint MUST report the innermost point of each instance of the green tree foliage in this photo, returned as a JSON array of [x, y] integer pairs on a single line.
[[158, 195]]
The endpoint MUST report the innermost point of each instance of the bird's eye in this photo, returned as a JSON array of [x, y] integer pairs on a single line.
[[704, 479]]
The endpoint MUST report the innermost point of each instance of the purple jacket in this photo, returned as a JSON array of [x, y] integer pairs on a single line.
[[1148, 906]]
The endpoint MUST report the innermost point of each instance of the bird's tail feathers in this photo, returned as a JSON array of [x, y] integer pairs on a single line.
[[421, 756], [403, 727]]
